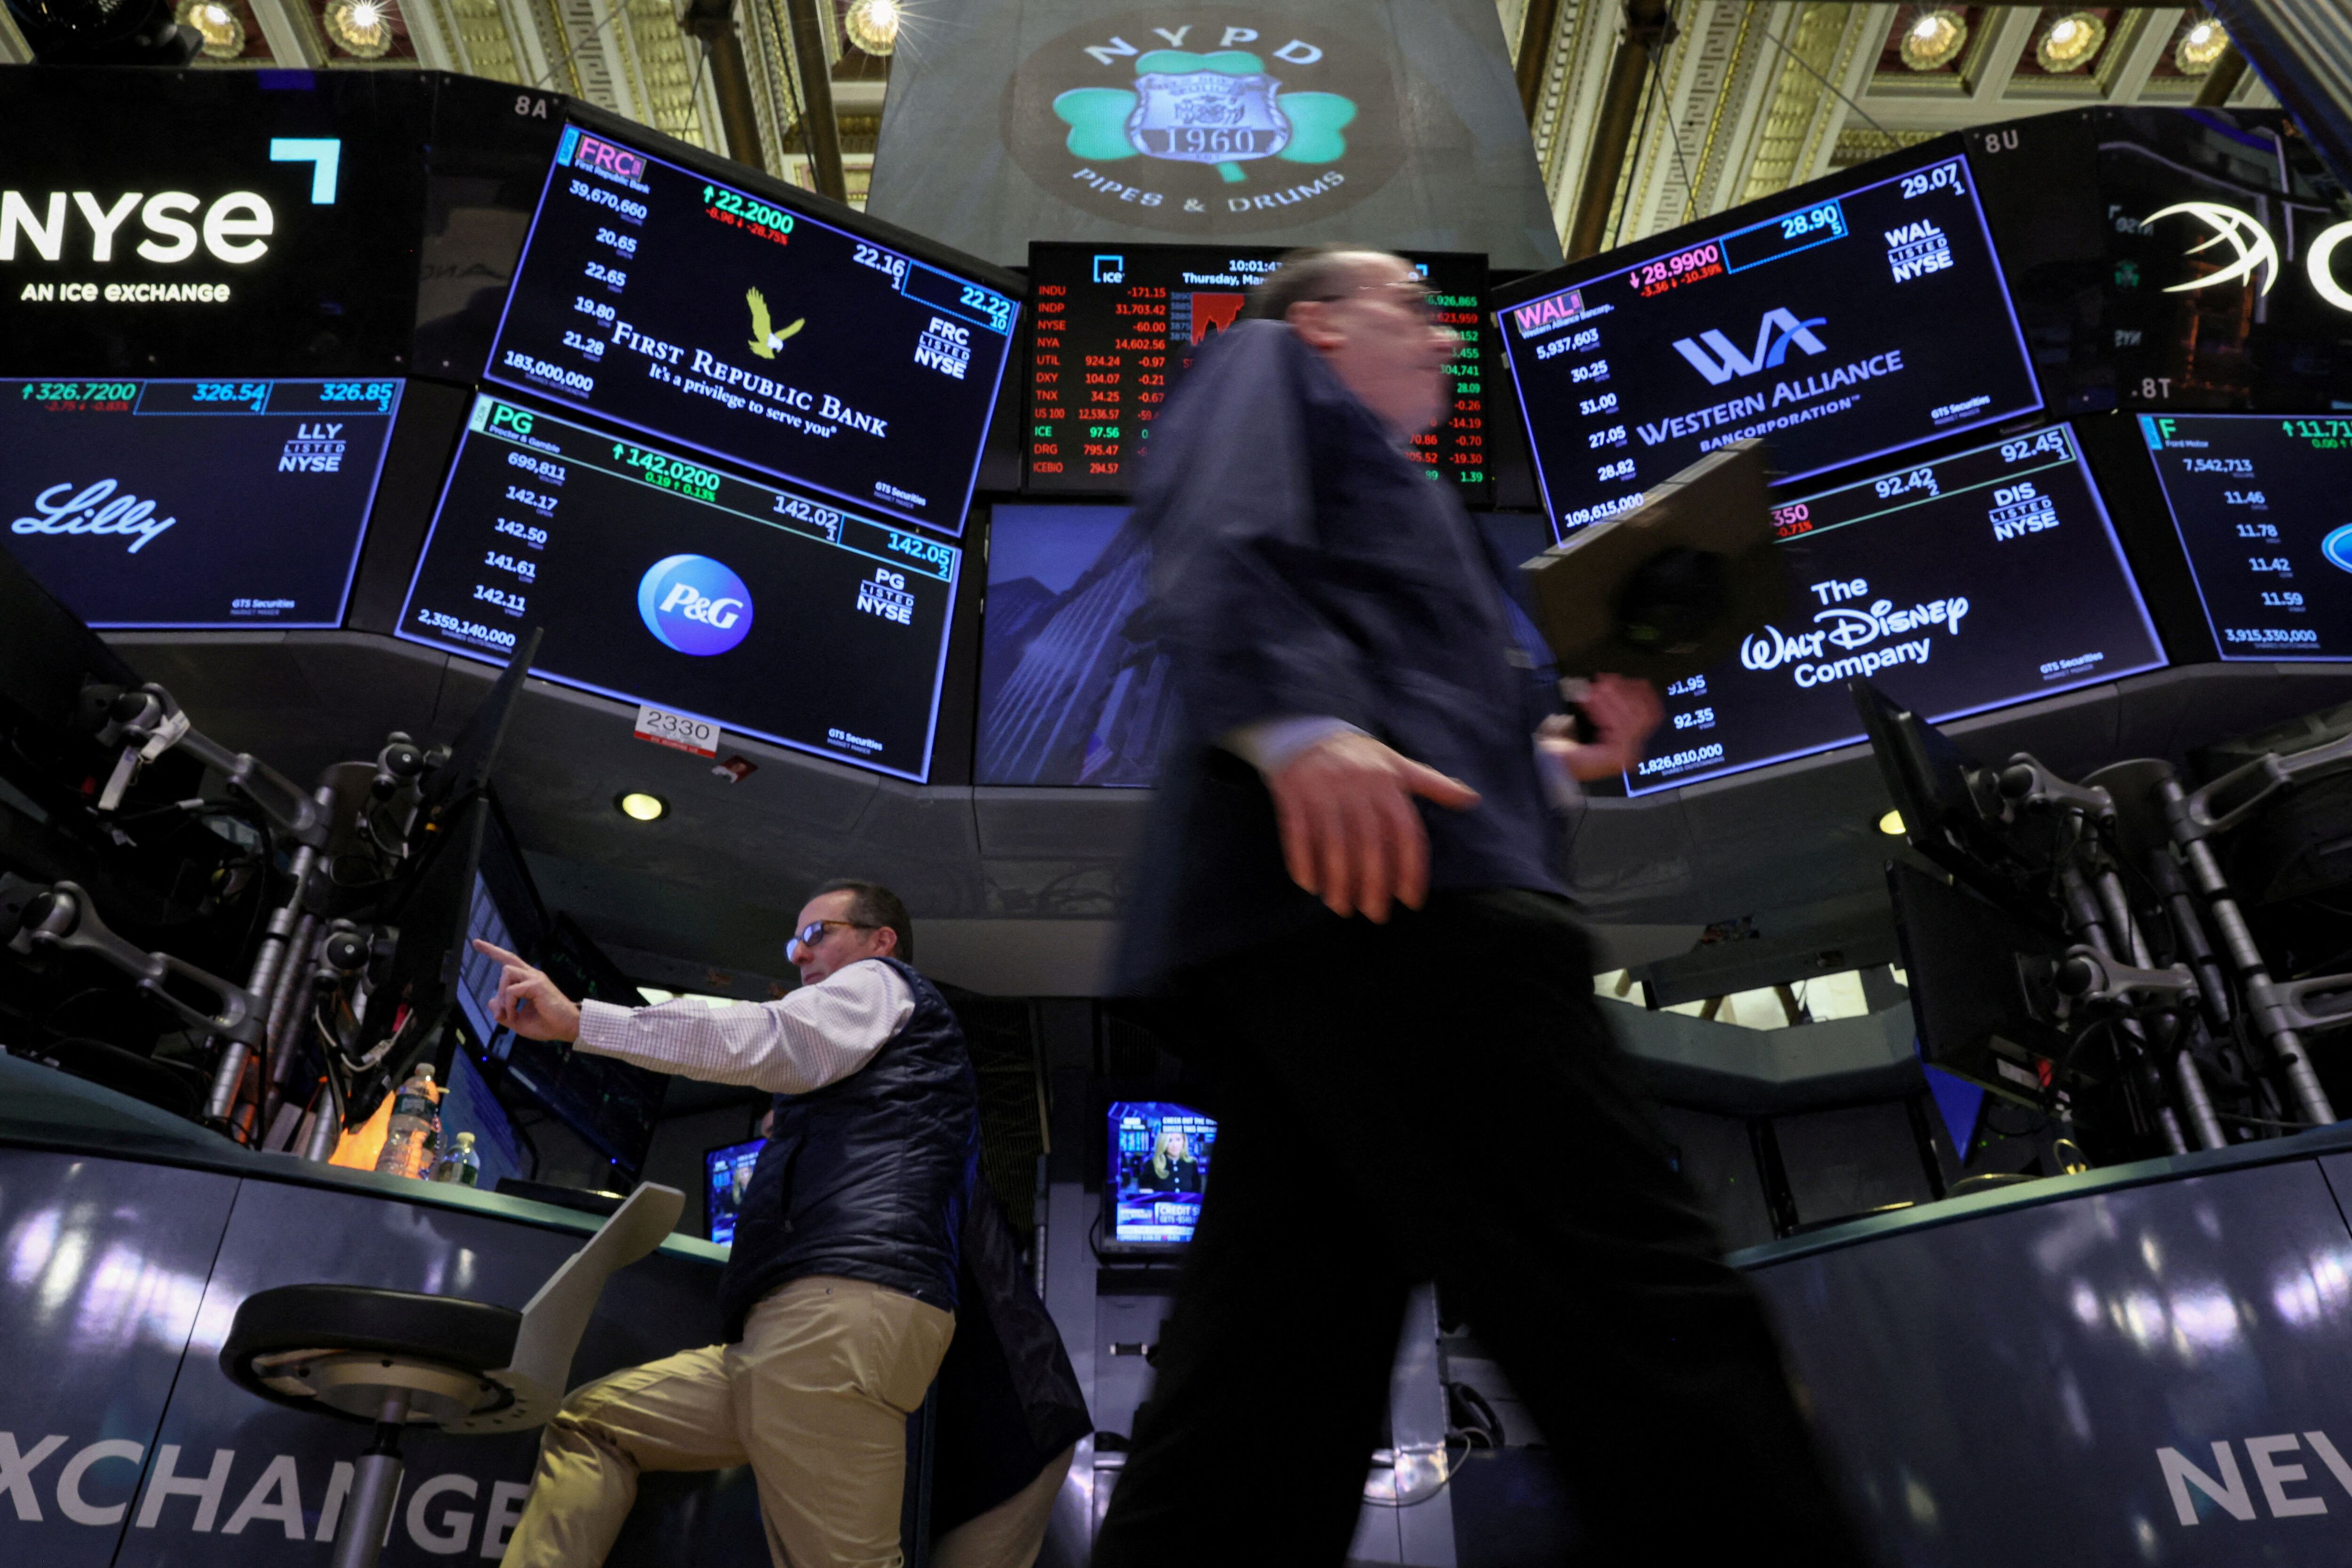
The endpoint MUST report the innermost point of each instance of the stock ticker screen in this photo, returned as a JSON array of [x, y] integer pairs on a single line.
[[2263, 506], [192, 504], [1113, 327], [660, 578], [684, 307], [1989, 577], [1862, 321]]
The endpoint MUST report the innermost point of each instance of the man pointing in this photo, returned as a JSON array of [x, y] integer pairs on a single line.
[[840, 1294]]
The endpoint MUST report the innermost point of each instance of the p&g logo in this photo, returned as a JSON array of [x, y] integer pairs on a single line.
[[694, 605]]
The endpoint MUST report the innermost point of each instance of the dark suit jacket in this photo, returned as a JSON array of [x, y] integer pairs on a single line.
[[1301, 564]]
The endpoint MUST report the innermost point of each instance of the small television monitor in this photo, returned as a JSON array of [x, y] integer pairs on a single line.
[[1160, 1156], [725, 1174]]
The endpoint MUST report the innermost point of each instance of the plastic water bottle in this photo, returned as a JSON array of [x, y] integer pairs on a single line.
[[409, 1140], [461, 1164]]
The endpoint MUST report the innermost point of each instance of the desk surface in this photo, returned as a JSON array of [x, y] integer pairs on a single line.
[[41, 1108]]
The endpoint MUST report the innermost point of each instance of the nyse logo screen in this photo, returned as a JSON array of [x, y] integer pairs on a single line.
[[1987, 576], [192, 504], [661, 578], [1838, 330], [211, 224]]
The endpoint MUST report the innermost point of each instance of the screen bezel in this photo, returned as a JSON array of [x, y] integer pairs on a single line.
[[802, 204], [1520, 291]]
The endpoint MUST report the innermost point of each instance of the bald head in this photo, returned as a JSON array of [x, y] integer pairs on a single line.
[[1367, 313]]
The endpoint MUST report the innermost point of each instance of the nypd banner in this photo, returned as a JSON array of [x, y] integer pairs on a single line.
[[1286, 122]]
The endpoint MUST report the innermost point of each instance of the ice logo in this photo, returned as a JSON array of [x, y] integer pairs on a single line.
[[2338, 547], [693, 604]]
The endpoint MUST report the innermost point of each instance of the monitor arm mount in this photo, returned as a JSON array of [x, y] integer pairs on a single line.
[[146, 722], [63, 917]]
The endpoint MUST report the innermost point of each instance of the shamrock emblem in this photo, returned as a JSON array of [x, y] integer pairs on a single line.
[[1219, 109]]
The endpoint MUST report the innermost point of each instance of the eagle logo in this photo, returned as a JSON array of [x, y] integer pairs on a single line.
[[765, 338]]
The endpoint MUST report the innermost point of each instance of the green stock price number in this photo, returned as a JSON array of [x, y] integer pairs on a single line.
[[668, 473], [735, 202]]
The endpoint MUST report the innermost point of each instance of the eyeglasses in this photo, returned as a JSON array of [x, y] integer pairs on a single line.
[[1412, 295], [809, 935]]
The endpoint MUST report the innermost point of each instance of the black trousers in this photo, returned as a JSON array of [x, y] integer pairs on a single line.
[[1439, 1097]]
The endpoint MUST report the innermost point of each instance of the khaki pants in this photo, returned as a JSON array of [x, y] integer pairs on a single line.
[[1010, 1534], [814, 1399]]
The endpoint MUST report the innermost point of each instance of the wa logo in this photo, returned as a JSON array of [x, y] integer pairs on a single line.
[[1717, 359], [693, 604]]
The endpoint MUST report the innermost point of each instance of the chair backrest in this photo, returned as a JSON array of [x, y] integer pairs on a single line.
[[554, 1319]]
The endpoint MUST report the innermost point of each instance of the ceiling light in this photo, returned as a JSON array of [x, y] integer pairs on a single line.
[[362, 28], [222, 34], [2201, 48], [873, 24], [638, 806], [1935, 40], [2070, 43], [1891, 824]]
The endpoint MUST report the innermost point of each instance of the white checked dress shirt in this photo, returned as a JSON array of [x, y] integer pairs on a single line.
[[817, 1035]]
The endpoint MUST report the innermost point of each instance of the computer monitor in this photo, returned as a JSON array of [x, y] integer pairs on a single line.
[[1159, 1155], [725, 1174]]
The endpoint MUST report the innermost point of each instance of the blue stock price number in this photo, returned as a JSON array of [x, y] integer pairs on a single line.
[[937, 556], [378, 394], [997, 309], [253, 395], [1829, 216]]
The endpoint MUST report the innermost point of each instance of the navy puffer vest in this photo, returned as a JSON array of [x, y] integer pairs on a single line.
[[868, 1178]]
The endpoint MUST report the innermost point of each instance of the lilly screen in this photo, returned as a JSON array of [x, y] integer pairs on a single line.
[[688, 309], [1980, 579], [660, 578], [225, 504], [2264, 504], [1860, 322]]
